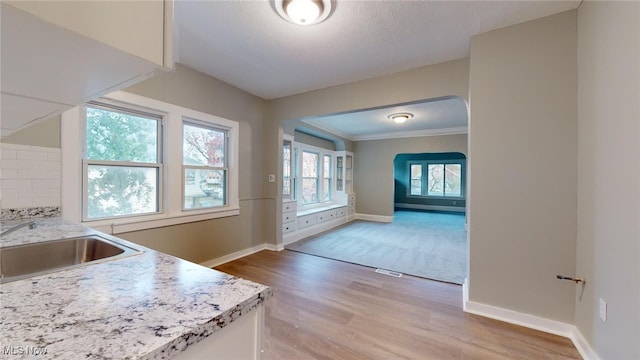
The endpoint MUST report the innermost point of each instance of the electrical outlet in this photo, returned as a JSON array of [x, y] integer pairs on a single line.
[[603, 310], [272, 178]]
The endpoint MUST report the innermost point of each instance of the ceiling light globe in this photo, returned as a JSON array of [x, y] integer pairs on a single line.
[[400, 119], [303, 12]]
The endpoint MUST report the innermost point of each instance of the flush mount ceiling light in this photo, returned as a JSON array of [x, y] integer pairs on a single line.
[[303, 12], [400, 118]]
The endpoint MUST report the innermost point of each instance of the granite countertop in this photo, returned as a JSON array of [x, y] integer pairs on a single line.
[[146, 306]]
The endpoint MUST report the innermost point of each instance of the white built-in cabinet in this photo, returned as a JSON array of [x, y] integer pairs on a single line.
[[60, 54], [298, 223]]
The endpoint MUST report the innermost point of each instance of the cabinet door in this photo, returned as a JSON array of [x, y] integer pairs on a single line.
[[136, 27]]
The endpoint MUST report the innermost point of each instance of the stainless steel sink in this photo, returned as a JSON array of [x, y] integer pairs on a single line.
[[24, 261]]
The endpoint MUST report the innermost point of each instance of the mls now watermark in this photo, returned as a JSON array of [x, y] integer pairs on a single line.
[[24, 350]]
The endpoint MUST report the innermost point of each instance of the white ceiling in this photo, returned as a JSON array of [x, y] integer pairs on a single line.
[[246, 44]]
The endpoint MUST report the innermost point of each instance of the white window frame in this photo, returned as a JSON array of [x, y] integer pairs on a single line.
[[159, 164], [224, 168], [300, 148], [425, 178], [72, 143]]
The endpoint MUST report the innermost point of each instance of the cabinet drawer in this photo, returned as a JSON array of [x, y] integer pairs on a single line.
[[341, 212], [305, 221], [352, 210], [288, 217], [290, 227], [289, 206], [352, 197], [325, 216]]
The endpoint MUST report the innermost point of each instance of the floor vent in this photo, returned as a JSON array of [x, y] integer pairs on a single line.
[[389, 273]]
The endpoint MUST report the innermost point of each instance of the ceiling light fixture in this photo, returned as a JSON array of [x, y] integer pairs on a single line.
[[303, 12], [400, 118]]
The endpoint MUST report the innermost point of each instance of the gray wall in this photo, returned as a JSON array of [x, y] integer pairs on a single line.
[[44, 133], [373, 167], [435, 81], [314, 141], [206, 240], [608, 245], [523, 140]]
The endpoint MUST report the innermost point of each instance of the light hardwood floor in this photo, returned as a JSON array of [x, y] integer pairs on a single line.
[[327, 309]]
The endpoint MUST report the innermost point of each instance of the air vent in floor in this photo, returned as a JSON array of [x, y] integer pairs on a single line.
[[389, 273]]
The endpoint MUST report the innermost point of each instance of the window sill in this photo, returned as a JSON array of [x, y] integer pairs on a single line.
[[317, 209], [155, 221]]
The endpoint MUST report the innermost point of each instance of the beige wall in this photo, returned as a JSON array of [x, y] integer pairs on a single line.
[[373, 167], [446, 79], [608, 245], [522, 203], [314, 141], [45, 133], [211, 239]]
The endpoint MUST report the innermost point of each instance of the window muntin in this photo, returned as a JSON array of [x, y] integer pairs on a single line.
[[204, 165], [122, 162], [310, 177], [443, 179]]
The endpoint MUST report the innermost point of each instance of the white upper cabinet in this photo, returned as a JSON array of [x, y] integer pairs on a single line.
[[59, 54]]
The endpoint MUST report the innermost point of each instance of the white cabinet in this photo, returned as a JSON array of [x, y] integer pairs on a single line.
[[351, 205], [306, 221], [60, 54], [242, 339]]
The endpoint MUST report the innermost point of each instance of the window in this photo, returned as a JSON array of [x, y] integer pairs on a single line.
[[443, 179], [204, 164], [416, 179], [326, 183], [132, 163], [310, 171], [286, 170], [122, 163]]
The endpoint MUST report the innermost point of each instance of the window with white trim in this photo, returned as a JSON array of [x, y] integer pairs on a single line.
[[122, 166], [132, 163], [313, 166], [204, 165], [441, 179]]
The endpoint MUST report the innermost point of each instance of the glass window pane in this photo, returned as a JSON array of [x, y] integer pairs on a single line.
[[309, 191], [327, 166], [309, 164], [436, 179], [204, 188], [118, 136], [416, 179], [202, 146], [452, 178], [286, 170], [326, 188], [120, 190]]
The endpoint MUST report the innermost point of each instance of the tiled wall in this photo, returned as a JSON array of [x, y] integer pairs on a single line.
[[29, 176]]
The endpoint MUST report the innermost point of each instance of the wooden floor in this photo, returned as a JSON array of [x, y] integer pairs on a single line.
[[326, 309]]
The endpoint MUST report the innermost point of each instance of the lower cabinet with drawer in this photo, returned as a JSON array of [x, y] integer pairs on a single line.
[[295, 227]]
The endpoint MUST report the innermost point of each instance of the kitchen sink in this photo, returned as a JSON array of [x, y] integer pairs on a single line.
[[25, 261]]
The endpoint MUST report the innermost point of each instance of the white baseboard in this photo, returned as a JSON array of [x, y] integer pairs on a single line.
[[530, 321], [376, 218], [459, 209], [240, 254]]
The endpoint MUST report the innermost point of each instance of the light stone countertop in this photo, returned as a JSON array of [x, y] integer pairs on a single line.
[[146, 306]]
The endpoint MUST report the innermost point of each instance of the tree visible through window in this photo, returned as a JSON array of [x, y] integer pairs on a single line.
[[443, 179], [122, 162], [204, 166], [310, 173]]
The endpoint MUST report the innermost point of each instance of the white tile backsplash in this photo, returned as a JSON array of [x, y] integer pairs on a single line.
[[29, 176]]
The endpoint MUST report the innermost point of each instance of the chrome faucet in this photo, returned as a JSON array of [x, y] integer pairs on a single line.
[[30, 224]]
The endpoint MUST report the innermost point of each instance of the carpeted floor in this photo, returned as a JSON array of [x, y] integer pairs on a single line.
[[426, 244]]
